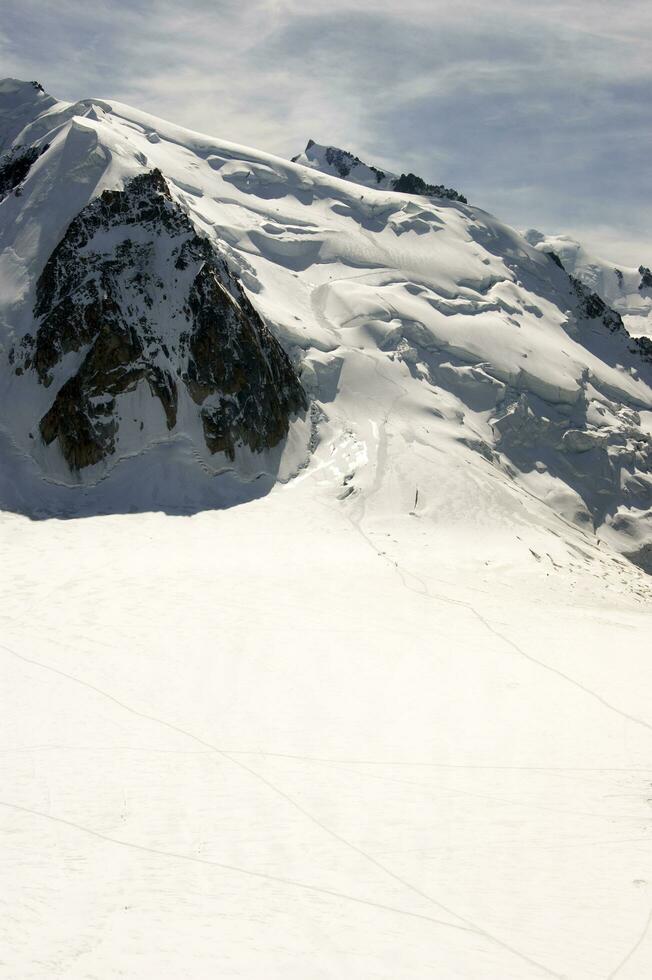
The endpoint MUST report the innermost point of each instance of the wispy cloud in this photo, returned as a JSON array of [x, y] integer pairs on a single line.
[[538, 111]]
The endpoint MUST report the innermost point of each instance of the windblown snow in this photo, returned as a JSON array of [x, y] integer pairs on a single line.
[[353, 679]]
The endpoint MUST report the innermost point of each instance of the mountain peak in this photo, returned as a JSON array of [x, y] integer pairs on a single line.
[[13, 86], [342, 163], [172, 300], [20, 103]]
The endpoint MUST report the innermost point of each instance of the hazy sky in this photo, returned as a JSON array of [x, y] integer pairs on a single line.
[[538, 110]]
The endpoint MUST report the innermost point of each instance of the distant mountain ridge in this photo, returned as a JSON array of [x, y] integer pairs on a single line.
[[341, 163]]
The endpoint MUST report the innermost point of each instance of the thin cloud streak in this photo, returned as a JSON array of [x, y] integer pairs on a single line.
[[539, 112]]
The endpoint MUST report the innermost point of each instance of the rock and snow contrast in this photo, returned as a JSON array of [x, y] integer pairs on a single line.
[[326, 512], [627, 291], [340, 163]]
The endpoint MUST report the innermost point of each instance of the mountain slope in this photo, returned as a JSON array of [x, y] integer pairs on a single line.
[[628, 291], [503, 362]]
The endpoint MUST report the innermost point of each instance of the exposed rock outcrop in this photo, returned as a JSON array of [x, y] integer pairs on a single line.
[[342, 163], [411, 184], [135, 291], [591, 306], [14, 167], [646, 278]]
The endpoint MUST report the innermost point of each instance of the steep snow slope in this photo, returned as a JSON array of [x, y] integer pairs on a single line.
[[628, 291], [391, 717]]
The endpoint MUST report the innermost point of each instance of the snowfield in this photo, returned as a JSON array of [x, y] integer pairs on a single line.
[[374, 703], [292, 739]]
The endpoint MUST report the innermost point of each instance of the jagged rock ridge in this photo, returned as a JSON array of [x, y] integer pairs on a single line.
[[135, 290], [593, 307], [342, 163]]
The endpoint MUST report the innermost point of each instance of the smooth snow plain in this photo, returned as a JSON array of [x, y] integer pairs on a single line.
[[386, 715], [316, 737]]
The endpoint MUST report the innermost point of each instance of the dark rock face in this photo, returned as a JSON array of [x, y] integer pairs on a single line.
[[343, 161], [646, 278], [135, 290], [591, 306], [555, 258], [641, 557], [411, 184], [644, 345], [14, 167], [236, 370], [82, 414]]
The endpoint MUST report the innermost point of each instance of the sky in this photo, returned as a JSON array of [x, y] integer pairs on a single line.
[[538, 110]]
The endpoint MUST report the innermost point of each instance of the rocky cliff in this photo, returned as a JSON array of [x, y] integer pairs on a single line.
[[133, 295]]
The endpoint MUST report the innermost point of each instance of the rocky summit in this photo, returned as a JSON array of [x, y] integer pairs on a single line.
[[342, 163]]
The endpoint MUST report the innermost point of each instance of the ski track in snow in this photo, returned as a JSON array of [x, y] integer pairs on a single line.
[[245, 871], [634, 948], [356, 522], [279, 792], [420, 591]]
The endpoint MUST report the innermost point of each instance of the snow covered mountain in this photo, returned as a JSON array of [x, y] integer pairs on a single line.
[[174, 300], [388, 718], [341, 163], [628, 291]]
